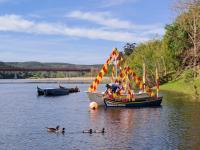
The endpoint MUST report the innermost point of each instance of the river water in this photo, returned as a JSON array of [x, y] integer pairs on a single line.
[[24, 116]]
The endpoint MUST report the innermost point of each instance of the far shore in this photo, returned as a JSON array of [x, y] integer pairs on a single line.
[[75, 80]]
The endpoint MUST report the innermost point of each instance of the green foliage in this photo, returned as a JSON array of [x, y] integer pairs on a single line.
[[188, 76], [189, 21], [174, 52], [151, 54], [176, 43], [182, 86]]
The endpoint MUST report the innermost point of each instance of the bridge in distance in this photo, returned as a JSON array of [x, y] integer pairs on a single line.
[[48, 69]]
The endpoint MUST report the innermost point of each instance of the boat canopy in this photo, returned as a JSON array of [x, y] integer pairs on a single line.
[[126, 74]]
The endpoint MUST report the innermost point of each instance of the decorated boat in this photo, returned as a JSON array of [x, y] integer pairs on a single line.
[[93, 94], [126, 96], [98, 97], [139, 102]]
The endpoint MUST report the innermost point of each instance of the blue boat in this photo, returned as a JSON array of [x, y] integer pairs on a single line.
[[141, 102], [56, 92], [71, 90], [52, 92]]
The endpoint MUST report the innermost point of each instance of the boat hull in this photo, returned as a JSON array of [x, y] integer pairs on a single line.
[[71, 90], [52, 92], [56, 92], [98, 97], [149, 102]]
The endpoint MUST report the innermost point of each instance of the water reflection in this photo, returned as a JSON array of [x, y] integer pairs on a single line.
[[24, 117], [175, 125], [182, 121], [124, 125]]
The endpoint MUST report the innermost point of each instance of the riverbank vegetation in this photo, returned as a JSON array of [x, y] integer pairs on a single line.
[[176, 54], [184, 85]]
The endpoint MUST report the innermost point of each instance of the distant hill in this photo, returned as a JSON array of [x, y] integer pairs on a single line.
[[2, 64], [40, 74], [39, 64]]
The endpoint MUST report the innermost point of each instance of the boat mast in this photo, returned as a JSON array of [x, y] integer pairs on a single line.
[[116, 68], [157, 82], [144, 77]]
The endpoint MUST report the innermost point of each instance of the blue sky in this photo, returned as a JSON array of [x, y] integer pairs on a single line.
[[77, 31]]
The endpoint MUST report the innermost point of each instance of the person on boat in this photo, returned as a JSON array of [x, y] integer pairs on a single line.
[[114, 86], [119, 87], [113, 89]]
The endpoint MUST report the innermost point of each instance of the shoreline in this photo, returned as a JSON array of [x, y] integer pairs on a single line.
[[72, 80], [183, 87]]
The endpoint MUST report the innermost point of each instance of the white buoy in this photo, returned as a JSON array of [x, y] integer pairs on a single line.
[[93, 105]]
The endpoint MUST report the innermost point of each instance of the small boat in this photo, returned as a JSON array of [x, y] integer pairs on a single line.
[[56, 92], [52, 92], [71, 90], [140, 102]]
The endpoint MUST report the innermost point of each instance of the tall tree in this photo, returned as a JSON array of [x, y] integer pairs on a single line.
[[129, 48], [189, 20], [176, 45]]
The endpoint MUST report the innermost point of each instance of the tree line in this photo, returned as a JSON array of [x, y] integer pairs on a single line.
[[44, 74], [176, 52]]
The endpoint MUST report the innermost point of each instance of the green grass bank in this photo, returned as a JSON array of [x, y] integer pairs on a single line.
[[182, 86]]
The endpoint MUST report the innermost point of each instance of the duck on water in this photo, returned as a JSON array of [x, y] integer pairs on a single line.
[[94, 131], [56, 129]]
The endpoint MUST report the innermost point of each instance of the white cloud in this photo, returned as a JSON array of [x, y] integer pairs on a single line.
[[100, 18], [105, 18], [154, 31], [109, 3], [15, 23]]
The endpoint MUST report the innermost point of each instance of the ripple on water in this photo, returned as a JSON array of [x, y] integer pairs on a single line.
[[24, 117]]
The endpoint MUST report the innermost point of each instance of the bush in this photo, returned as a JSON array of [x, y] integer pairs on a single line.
[[189, 75]]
